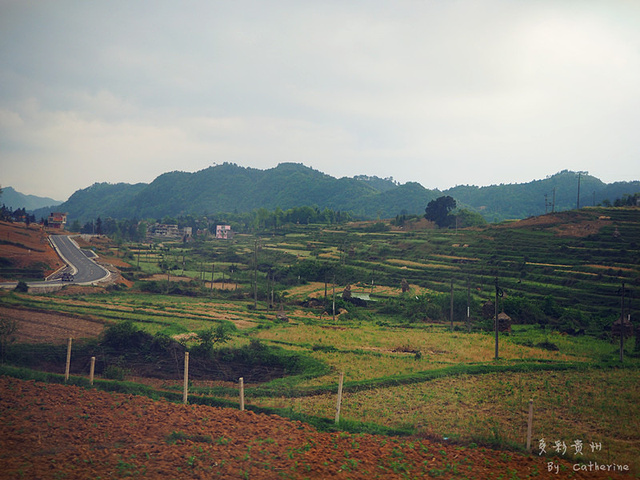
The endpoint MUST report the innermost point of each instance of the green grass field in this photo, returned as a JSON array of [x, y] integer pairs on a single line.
[[403, 367]]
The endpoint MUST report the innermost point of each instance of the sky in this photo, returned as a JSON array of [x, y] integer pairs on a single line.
[[444, 93]]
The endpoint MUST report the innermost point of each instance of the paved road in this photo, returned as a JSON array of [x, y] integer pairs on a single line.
[[84, 269]]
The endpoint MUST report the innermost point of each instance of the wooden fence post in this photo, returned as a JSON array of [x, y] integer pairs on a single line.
[[530, 424], [186, 378], [92, 369], [68, 365], [241, 393], [339, 397]]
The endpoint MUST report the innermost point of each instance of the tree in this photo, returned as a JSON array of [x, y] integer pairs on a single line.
[[467, 218], [438, 211], [8, 327]]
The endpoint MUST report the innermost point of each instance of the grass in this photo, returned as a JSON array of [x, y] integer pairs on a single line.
[[592, 405], [368, 351], [454, 388]]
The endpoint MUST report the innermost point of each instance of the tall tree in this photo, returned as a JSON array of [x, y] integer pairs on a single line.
[[438, 210]]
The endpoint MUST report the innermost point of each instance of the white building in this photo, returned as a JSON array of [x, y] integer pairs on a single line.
[[224, 232]]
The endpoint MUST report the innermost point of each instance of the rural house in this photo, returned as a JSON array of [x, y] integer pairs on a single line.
[[57, 220]]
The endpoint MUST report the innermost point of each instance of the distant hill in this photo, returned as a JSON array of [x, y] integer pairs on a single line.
[[557, 192], [231, 188], [13, 199]]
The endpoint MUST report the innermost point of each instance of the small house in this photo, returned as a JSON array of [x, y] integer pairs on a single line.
[[57, 220], [224, 232]]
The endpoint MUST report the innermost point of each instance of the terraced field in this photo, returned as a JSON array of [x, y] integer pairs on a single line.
[[406, 370]]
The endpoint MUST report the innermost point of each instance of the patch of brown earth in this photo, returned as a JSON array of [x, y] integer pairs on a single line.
[[566, 224], [40, 327], [26, 247], [79, 290], [58, 431]]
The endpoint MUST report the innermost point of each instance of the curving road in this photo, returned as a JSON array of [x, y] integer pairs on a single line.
[[84, 269]]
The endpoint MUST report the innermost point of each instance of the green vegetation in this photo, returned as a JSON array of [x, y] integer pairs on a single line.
[[261, 307], [231, 188]]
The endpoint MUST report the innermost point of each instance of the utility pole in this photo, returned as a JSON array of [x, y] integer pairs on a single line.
[[451, 306], [622, 324], [546, 204], [334, 299], [255, 274], [468, 303], [578, 199], [499, 294]]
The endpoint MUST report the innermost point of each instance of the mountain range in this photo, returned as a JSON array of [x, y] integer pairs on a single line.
[[232, 188], [14, 200]]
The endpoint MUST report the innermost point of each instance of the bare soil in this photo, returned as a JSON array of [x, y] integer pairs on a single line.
[[566, 224], [27, 247], [58, 431], [41, 327]]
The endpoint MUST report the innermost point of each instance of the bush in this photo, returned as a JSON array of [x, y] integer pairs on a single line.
[[21, 287], [547, 345], [113, 372], [523, 310], [208, 338], [126, 337]]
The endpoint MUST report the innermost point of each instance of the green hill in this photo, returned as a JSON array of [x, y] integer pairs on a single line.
[[13, 199], [231, 188]]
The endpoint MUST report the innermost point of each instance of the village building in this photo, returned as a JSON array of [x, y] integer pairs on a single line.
[[165, 230], [57, 220], [224, 232]]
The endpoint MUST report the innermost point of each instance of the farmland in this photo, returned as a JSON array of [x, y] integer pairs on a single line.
[[411, 366]]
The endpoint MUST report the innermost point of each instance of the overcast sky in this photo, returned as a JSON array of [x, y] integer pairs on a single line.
[[440, 92]]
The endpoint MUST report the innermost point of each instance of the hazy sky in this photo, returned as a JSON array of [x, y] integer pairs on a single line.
[[439, 92]]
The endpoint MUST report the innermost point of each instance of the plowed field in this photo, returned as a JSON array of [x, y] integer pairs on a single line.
[[56, 431]]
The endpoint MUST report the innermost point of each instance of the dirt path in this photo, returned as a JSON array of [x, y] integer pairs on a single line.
[[57, 431]]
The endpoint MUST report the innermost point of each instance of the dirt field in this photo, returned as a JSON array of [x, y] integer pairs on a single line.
[[39, 327], [27, 247], [564, 224], [56, 431]]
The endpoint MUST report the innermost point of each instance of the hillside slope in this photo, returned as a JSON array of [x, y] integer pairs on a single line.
[[13, 199], [231, 188]]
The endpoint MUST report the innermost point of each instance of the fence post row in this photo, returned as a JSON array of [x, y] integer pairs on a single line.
[[530, 424], [339, 397], [186, 378], [92, 369], [68, 365]]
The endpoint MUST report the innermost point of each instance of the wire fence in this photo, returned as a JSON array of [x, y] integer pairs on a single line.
[[191, 379]]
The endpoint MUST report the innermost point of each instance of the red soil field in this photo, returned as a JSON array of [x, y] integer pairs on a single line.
[[57, 431]]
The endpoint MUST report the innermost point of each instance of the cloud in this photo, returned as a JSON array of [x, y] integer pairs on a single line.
[[437, 92]]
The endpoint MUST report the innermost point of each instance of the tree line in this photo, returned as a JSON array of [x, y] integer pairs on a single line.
[[257, 221]]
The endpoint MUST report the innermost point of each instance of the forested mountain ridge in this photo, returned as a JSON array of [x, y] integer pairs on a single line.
[[15, 200], [231, 188]]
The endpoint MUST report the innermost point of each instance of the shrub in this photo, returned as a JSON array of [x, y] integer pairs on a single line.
[[126, 337], [523, 310], [547, 345], [113, 372], [21, 287], [208, 338]]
